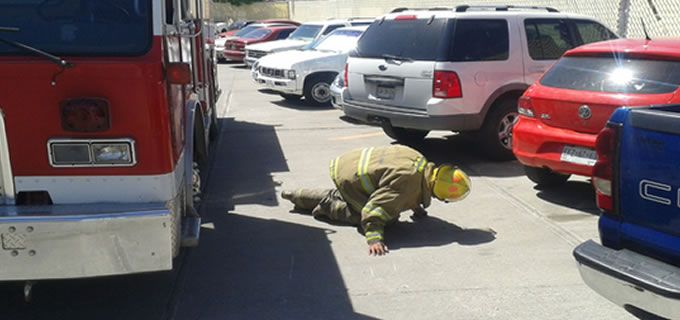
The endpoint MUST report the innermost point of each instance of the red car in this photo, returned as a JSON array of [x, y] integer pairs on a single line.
[[234, 49], [562, 113], [244, 24]]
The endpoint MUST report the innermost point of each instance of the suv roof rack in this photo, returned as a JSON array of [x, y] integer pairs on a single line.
[[402, 9], [465, 8]]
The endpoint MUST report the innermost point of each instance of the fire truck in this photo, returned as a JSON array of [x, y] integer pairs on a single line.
[[107, 113]]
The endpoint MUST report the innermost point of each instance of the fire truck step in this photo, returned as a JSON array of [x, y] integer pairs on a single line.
[[191, 230]]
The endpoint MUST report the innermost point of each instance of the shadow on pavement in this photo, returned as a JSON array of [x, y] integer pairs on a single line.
[[249, 267], [246, 156], [433, 232], [300, 105], [252, 268], [465, 152], [578, 195]]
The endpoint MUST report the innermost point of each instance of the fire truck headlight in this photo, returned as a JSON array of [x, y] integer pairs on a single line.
[[113, 153]]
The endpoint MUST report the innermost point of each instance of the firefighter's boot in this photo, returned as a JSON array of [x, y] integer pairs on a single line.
[[305, 199]]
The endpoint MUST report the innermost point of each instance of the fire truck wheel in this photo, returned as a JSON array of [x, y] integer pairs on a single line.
[[196, 183], [214, 126]]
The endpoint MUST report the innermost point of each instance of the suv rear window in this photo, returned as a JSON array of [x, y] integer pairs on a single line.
[[480, 40], [614, 74], [417, 39]]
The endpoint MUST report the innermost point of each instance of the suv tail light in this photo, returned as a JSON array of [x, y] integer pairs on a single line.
[[525, 107], [406, 17], [346, 76], [446, 85], [603, 172]]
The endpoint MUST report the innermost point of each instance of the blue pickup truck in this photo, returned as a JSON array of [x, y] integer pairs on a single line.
[[637, 181]]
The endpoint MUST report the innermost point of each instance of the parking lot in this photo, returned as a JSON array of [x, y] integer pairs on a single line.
[[503, 253]]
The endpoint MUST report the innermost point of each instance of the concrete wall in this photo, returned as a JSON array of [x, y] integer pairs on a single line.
[[256, 11]]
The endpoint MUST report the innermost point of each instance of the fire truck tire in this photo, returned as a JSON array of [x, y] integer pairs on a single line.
[[176, 223]]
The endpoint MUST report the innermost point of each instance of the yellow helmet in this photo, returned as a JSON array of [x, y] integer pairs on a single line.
[[450, 183]]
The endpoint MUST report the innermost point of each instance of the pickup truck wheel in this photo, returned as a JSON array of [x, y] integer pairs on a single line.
[[543, 177], [496, 133], [290, 97], [405, 135], [318, 90]]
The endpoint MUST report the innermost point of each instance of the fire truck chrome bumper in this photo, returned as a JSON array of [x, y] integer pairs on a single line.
[[77, 241]]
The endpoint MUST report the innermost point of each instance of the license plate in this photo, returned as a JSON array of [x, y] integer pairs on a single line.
[[578, 155], [385, 92]]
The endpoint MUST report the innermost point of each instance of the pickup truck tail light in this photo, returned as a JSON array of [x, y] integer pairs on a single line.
[[525, 107], [605, 146], [446, 85], [345, 76]]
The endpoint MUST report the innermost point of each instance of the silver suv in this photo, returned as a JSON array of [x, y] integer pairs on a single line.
[[459, 69]]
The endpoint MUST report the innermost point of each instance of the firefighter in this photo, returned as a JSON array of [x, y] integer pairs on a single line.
[[374, 185]]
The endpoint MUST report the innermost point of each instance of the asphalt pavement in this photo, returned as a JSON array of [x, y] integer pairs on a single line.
[[503, 253]]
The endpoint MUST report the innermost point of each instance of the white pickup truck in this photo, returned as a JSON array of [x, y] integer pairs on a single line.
[[304, 35], [310, 71]]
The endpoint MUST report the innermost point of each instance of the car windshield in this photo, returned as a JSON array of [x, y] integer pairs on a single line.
[[338, 41], [78, 28], [614, 74], [257, 34], [237, 25], [416, 39], [306, 32], [247, 30]]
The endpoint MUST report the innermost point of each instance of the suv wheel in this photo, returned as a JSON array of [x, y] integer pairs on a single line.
[[405, 135], [318, 90], [543, 177], [290, 97], [496, 133]]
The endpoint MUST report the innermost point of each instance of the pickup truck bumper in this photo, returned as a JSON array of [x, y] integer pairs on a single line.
[[77, 241], [630, 279], [409, 118], [288, 86]]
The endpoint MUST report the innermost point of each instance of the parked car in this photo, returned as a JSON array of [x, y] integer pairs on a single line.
[[235, 27], [563, 112], [309, 71], [415, 71], [235, 48], [220, 43], [305, 34], [637, 176]]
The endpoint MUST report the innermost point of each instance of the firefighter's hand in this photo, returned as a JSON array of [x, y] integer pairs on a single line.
[[377, 249]]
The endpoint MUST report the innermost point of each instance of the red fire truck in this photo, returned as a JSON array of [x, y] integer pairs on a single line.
[[107, 111]]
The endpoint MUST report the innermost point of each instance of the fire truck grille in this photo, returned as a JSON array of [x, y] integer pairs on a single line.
[[256, 54], [274, 73]]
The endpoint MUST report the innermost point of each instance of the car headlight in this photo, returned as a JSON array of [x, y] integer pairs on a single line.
[[113, 153], [291, 74]]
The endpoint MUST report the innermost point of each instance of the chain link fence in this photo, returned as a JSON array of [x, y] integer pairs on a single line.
[[661, 17]]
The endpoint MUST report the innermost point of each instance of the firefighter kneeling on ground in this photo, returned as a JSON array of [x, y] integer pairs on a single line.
[[374, 185]]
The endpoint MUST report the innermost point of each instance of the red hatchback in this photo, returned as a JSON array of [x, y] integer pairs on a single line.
[[561, 114], [235, 49]]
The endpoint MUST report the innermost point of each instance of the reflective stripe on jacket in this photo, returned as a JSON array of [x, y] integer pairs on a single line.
[[382, 182]]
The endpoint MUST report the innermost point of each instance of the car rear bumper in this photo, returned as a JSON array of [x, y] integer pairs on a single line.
[[234, 55], [630, 279], [409, 118], [537, 145], [337, 92], [78, 241]]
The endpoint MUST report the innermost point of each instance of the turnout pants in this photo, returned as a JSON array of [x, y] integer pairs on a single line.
[[325, 203]]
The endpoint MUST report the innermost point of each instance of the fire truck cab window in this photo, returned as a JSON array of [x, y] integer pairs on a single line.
[[78, 27]]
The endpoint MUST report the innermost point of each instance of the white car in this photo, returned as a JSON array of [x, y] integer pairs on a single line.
[[308, 72], [305, 34]]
